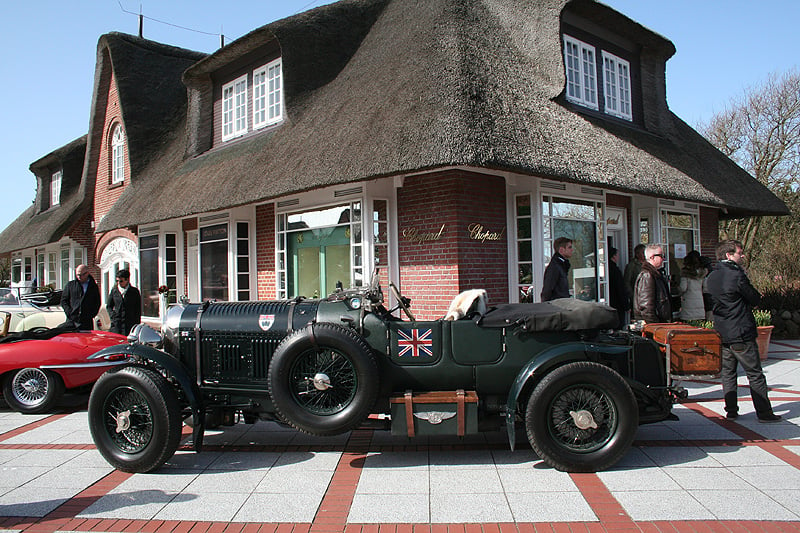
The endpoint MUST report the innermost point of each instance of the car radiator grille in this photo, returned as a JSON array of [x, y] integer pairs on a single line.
[[237, 358]]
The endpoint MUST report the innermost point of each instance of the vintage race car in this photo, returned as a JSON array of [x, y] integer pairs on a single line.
[[324, 365], [38, 365]]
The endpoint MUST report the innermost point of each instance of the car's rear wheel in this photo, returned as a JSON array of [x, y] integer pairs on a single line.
[[134, 417], [32, 390], [323, 379], [581, 417]]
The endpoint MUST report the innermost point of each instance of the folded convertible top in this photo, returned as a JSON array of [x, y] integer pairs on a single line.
[[564, 314]]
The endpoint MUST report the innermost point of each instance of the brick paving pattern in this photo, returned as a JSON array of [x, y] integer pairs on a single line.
[[702, 473]]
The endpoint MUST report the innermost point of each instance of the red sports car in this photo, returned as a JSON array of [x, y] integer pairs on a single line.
[[38, 365]]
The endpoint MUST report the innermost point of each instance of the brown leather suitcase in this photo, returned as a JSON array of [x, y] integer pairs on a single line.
[[435, 413], [692, 351]]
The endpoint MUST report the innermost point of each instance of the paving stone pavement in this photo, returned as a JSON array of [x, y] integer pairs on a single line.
[[701, 473]]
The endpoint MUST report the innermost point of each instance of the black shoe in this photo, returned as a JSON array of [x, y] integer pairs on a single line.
[[769, 418], [732, 416]]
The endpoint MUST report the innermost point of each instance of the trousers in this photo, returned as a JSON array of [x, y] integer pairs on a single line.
[[745, 354]]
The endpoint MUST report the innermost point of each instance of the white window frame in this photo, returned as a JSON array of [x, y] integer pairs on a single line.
[[234, 108], [581, 72], [358, 241], [55, 188], [665, 210], [267, 94], [117, 155], [617, 86]]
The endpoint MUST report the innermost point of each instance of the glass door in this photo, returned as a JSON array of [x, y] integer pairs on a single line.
[[582, 221]]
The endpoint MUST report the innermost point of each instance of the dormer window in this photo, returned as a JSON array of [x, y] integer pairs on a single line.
[[55, 188], [117, 155], [234, 108], [267, 101], [585, 85], [251, 101]]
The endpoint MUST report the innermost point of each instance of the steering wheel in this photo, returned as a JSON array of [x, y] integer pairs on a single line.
[[399, 297]]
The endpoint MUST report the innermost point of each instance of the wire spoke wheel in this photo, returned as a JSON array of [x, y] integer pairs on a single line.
[[582, 418], [128, 419], [325, 381], [135, 418], [30, 386], [32, 390]]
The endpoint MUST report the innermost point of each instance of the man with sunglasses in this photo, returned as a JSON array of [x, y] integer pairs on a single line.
[[124, 304], [732, 300], [651, 297]]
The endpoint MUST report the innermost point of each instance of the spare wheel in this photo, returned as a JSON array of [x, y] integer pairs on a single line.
[[323, 379]]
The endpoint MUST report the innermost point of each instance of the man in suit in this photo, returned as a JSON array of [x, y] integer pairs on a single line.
[[80, 299], [124, 304]]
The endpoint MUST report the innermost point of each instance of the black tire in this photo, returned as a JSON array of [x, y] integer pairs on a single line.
[[32, 390], [597, 396], [135, 419], [323, 351]]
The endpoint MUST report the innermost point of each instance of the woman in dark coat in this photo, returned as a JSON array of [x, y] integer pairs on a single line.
[[124, 304]]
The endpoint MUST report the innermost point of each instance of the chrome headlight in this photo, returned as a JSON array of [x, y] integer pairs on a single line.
[[171, 328], [144, 334]]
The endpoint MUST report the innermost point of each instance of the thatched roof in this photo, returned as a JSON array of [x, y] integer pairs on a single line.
[[384, 87], [35, 227], [152, 96]]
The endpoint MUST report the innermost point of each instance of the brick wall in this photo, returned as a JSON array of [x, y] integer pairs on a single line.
[[82, 233], [106, 194], [709, 231], [265, 251], [437, 262]]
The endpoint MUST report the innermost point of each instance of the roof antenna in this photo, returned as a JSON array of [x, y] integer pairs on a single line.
[[221, 37], [141, 22]]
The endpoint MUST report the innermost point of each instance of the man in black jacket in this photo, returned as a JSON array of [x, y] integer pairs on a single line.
[[81, 299], [651, 298], [555, 283], [733, 298], [124, 304]]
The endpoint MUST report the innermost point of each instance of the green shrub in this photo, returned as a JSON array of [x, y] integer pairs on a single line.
[[763, 317]]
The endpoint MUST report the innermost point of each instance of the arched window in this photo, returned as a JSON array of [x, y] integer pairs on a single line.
[[117, 155]]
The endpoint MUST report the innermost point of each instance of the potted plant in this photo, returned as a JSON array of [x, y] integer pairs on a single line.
[[764, 326]]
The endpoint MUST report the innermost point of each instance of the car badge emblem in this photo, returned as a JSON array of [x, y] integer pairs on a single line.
[[265, 321], [435, 417]]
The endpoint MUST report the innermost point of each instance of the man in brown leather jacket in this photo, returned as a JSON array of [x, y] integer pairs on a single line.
[[651, 298]]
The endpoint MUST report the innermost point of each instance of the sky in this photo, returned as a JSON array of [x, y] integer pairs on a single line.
[[723, 48]]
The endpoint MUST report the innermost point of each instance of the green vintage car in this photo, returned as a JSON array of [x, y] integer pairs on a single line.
[[324, 366]]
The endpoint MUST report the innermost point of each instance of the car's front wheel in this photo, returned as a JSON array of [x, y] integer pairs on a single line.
[[134, 417], [32, 390], [581, 417]]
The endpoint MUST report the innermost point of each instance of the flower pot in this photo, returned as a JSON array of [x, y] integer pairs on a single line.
[[764, 334]]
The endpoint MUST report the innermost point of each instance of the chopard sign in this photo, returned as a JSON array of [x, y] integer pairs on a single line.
[[478, 233], [415, 236]]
